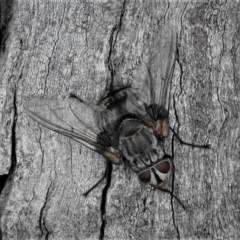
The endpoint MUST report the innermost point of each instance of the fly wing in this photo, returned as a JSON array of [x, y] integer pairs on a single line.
[[168, 70], [59, 117], [160, 66], [84, 113], [138, 107], [161, 57], [65, 118]]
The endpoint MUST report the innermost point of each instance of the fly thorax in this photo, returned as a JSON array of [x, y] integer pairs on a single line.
[[138, 144]]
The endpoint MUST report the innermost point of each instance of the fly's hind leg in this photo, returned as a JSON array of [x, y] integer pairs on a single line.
[[107, 174], [207, 146], [96, 184]]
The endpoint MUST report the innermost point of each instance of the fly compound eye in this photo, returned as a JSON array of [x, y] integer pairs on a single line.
[[163, 166], [145, 176], [160, 172]]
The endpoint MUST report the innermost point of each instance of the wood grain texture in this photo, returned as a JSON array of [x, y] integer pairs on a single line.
[[59, 47]]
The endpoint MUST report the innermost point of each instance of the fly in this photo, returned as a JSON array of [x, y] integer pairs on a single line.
[[126, 126]]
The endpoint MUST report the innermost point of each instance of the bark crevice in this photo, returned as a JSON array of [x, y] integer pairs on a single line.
[[5, 17], [5, 177], [104, 199], [172, 190], [42, 222], [181, 72], [110, 87], [112, 41]]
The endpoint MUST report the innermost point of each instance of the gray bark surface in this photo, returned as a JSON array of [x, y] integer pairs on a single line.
[[59, 47]]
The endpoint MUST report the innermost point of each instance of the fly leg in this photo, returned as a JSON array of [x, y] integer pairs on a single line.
[[207, 146], [96, 184], [174, 196], [105, 175]]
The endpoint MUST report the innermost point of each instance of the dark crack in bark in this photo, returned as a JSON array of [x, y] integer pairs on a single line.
[[41, 149], [112, 41], [234, 57], [71, 159], [144, 204], [176, 114], [13, 150], [181, 72], [172, 190], [104, 199], [5, 17], [3, 180], [41, 222], [5, 177], [173, 138]]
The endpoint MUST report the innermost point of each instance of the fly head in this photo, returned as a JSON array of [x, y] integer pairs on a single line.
[[157, 173]]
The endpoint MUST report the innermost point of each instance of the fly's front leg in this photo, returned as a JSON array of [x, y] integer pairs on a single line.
[[207, 146], [174, 196]]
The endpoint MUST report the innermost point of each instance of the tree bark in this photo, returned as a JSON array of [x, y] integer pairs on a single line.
[[55, 48]]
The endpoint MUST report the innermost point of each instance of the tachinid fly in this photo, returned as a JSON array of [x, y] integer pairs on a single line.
[[127, 125]]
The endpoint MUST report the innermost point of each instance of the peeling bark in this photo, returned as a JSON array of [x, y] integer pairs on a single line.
[[52, 49]]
